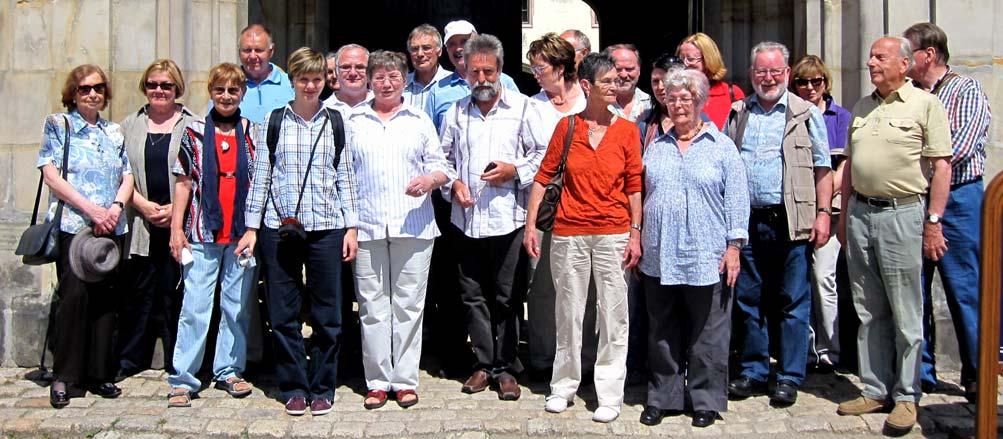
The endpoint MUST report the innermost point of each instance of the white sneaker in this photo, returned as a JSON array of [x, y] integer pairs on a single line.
[[606, 413], [556, 404]]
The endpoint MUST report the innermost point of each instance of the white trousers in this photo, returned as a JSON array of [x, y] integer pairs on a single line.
[[573, 260], [391, 276], [825, 303]]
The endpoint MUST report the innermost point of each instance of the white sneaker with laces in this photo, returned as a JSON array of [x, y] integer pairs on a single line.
[[606, 414], [556, 404]]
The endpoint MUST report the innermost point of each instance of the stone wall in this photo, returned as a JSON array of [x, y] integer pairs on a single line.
[[40, 42]]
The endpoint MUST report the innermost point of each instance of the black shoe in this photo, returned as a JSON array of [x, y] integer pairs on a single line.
[[928, 387], [652, 415], [971, 392], [703, 418], [106, 390], [784, 394], [58, 399], [745, 387]]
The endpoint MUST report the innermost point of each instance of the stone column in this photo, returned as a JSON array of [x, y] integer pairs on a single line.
[[40, 42]]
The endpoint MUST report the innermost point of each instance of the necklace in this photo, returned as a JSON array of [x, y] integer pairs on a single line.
[[224, 145], [154, 143], [691, 134]]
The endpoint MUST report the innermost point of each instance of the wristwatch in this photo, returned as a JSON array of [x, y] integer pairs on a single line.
[[120, 204], [933, 218], [825, 210], [636, 227]]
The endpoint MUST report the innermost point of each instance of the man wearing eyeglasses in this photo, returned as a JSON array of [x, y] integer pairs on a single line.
[[353, 87], [783, 142], [424, 45], [580, 42], [268, 87]]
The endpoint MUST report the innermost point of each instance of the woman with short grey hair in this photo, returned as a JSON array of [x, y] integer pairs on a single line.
[[696, 213]]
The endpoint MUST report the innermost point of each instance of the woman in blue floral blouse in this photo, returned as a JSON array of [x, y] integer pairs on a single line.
[[95, 187]]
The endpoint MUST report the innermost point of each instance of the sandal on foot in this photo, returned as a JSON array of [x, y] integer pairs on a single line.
[[179, 397], [381, 397], [235, 386], [405, 404]]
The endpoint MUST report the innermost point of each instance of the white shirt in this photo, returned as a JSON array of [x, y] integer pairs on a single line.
[[386, 157], [416, 93], [346, 110], [511, 132], [551, 116], [640, 104]]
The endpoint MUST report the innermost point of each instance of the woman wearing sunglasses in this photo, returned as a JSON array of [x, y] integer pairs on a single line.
[[95, 186], [151, 300], [811, 81]]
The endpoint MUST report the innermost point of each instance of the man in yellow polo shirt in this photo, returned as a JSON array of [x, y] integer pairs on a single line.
[[899, 147]]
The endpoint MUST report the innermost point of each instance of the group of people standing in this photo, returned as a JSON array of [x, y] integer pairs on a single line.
[[700, 220]]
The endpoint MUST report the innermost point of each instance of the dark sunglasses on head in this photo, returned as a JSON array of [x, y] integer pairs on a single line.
[[803, 82], [165, 86], [86, 89]]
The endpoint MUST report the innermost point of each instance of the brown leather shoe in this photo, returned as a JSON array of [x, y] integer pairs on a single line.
[[476, 383], [508, 388]]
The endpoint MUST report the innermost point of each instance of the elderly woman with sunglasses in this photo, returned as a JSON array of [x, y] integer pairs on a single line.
[[95, 187], [150, 278], [214, 172], [397, 161], [812, 82], [696, 213]]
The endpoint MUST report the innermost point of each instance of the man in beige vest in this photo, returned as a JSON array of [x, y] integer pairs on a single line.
[[898, 137], [783, 142]]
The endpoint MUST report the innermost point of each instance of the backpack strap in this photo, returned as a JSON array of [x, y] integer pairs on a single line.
[[338, 128], [274, 129]]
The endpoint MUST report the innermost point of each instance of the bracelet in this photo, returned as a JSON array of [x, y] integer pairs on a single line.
[[636, 227]]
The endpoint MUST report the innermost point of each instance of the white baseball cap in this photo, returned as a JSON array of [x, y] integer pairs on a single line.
[[458, 27]]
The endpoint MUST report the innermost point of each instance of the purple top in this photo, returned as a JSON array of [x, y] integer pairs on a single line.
[[837, 124]]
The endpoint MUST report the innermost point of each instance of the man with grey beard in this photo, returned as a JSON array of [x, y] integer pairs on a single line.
[[494, 140], [783, 142]]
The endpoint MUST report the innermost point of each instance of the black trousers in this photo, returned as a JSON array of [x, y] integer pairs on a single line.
[[151, 303], [83, 323], [493, 281], [688, 344]]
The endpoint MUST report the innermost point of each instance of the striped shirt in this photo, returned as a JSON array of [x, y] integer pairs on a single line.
[[968, 117], [386, 156], [329, 200], [511, 132], [189, 163]]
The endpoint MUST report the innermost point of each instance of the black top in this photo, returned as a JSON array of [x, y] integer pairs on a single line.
[[157, 179]]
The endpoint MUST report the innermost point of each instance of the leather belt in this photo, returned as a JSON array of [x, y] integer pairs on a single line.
[[227, 175], [888, 202]]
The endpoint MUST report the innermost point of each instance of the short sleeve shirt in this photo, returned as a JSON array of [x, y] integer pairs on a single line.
[[889, 137]]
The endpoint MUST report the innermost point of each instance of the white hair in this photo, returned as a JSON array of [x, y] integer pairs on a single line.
[[767, 46], [690, 80]]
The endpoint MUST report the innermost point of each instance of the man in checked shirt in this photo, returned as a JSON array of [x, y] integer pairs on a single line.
[[968, 118], [493, 138]]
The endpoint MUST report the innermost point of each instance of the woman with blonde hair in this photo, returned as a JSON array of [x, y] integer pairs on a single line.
[[699, 52]]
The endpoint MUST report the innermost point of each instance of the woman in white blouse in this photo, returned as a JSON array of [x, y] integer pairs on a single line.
[[397, 162]]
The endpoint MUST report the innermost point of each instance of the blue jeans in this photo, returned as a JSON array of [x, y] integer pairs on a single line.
[[959, 273], [284, 262], [774, 282], [212, 263]]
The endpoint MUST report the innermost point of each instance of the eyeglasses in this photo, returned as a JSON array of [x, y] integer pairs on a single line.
[[424, 48], [761, 73], [165, 86], [85, 90], [234, 91], [684, 101], [394, 79], [803, 82], [538, 70], [692, 59], [606, 83]]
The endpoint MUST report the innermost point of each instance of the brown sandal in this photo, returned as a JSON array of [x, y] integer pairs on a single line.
[[179, 397], [379, 395]]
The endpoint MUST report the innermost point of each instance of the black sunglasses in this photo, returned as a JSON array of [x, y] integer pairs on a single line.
[[86, 89], [803, 82], [165, 86]]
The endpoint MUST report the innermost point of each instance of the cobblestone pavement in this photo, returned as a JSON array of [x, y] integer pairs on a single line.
[[443, 412]]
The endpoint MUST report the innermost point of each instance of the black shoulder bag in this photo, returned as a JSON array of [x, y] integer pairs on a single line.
[[39, 245], [547, 212]]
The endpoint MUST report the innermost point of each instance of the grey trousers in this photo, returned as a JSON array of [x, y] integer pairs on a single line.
[[885, 260], [688, 340]]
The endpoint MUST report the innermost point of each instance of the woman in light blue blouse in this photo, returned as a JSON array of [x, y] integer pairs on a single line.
[[95, 186], [696, 215]]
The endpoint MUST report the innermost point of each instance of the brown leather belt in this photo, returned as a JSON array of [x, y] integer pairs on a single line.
[[888, 202]]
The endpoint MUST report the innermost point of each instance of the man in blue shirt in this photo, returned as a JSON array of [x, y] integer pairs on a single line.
[[454, 87], [782, 140], [268, 87]]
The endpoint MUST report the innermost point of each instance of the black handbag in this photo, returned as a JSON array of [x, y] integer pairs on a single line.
[[39, 245], [547, 212]]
